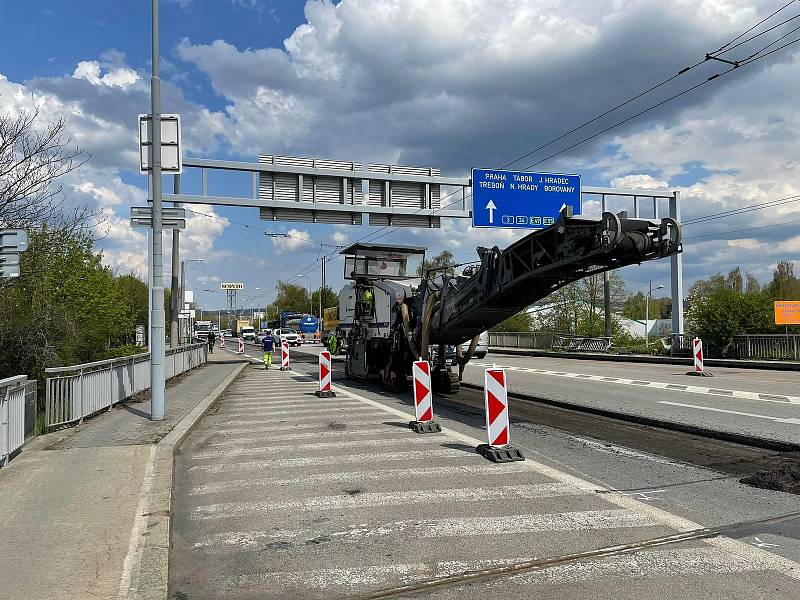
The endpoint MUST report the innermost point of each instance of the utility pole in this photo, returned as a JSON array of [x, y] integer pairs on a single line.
[[606, 285], [175, 300], [157, 382], [321, 289]]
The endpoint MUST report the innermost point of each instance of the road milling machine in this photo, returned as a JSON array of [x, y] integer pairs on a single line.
[[392, 313]]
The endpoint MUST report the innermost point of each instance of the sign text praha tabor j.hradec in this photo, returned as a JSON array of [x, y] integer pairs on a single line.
[[522, 200]]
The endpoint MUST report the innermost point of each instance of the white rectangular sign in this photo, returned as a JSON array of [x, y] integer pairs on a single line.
[[231, 286], [171, 159]]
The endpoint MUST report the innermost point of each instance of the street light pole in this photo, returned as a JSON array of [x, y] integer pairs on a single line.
[[647, 312], [157, 381], [183, 286]]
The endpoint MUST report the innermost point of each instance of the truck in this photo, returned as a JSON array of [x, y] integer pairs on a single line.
[[330, 323], [238, 325], [202, 329], [393, 314]]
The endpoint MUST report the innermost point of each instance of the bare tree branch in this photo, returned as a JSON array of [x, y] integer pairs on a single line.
[[32, 160]]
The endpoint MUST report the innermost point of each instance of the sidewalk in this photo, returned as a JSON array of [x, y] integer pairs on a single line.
[[71, 502]]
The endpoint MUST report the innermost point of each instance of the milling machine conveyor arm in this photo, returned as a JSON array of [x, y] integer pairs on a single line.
[[510, 280]]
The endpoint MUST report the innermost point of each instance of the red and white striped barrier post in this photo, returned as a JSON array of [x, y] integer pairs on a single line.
[[222, 342], [285, 356], [495, 392], [325, 376], [423, 399], [241, 346], [697, 353]]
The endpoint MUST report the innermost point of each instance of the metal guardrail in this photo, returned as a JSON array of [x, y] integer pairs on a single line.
[[13, 394], [75, 392], [776, 346], [531, 340], [548, 340]]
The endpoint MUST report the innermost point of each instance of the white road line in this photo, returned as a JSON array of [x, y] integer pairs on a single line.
[[622, 451], [775, 562], [290, 402], [256, 437], [647, 563], [295, 411], [338, 476], [261, 466], [297, 407], [279, 425], [376, 499], [689, 389], [436, 528], [361, 415], [256, 451], [795, 421]]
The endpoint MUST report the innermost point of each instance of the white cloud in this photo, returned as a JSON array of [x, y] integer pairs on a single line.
[[296, 239], [89, 70], [640, 182]]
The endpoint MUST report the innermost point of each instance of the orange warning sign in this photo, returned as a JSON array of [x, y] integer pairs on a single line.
[[787, 312]]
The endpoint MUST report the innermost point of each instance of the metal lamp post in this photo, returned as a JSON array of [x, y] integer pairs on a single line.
[[183, 281], [157, 334], [647, 312]]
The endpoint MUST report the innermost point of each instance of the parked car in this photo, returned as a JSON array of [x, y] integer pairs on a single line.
[[482, 349], [261, 334], [290, 335]]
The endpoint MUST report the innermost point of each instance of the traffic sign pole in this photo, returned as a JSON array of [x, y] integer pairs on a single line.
[[157, 350]]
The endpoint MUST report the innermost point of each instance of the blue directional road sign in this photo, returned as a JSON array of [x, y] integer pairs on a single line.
[[518, 199]]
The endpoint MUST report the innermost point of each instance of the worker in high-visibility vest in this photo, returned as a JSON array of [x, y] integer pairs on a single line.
[[368, 296]]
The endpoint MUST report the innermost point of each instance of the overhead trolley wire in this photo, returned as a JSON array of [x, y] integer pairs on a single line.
[[725, 48], [761, 22]]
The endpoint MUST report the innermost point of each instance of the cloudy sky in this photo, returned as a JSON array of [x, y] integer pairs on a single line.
[[453, 84]]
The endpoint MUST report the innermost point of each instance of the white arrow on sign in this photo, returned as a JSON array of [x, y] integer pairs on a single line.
[[490, 205]]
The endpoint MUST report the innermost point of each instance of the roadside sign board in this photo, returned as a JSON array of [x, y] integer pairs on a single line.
[[231, 286], [14, 240], [171, 159], [787, 312], [522, 200]]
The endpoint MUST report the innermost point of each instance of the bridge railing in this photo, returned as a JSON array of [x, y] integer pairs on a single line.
[[73, 393], [14, 394], [548, 340], [531, 340], [774, 346]]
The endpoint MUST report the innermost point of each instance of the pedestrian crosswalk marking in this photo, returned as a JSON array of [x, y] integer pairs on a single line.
[[375, 499]]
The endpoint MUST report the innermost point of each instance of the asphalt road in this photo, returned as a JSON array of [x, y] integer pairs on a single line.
[[749, 402], [279, 495]]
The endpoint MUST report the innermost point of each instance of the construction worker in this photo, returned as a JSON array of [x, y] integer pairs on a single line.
[[268, 346], [368, 296]]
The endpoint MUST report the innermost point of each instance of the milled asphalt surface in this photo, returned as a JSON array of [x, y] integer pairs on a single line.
[[710, 411], [275, 499]]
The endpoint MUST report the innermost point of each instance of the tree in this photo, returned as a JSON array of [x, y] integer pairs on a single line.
[[784, 285], [32, 159], [522, 321], [443, 262], [134, 291], [65, 308], [329, 299], [291, 297]]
